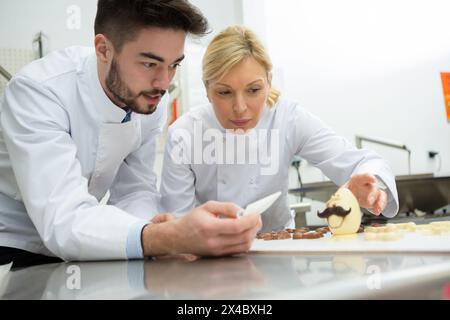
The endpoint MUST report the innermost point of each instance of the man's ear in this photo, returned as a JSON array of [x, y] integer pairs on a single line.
[[103, 48]]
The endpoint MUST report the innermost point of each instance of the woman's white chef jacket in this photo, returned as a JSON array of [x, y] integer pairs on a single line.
[[62, 147], [185, 185]]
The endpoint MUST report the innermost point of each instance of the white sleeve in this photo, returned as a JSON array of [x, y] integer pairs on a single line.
[[336, 157], [69, 220], [178, 179], [134, 188]]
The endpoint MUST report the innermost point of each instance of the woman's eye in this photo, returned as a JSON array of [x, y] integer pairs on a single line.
[[254, 90], [224, 93]]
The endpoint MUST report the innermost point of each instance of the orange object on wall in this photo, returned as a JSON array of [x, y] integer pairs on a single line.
[[174, 112], [445, 76]]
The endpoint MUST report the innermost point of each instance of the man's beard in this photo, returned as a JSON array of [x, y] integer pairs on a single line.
[[123, 94]]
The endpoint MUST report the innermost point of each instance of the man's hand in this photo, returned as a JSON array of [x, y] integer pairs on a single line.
[[203, 232], [369, 196], [163, 217], [212, 236]]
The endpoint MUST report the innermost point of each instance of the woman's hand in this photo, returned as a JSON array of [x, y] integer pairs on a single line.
[[366, 191]]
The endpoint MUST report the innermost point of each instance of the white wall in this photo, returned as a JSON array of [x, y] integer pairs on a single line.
[[365, 67], [21, 20], [220, 14]]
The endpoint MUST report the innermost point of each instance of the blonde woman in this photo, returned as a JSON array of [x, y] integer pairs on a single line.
[[239, 147]]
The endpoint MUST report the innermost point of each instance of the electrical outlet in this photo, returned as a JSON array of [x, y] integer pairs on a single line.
[[432, 154]]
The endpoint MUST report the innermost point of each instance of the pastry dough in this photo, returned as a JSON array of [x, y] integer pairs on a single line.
[[389, 232], [396, 231]]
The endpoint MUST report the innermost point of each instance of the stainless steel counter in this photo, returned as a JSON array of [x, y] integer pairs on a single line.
[[256, 276]]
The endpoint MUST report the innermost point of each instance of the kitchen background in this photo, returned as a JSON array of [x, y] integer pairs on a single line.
[[367, 68]]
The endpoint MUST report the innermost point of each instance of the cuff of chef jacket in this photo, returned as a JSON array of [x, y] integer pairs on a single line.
[[134, 244]]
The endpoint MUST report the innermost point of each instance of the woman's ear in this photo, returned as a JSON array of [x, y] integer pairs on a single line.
[[207, 93]]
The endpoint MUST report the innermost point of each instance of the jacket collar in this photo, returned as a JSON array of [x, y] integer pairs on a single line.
[[110, 112]]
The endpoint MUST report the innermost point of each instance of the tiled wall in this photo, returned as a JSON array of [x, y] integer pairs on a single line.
[[13, 60]]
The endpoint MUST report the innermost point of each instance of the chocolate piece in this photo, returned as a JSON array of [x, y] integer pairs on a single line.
[[264, 236], [323, 230], [307, 235], [283, 235], [376, 225], [297, 235], [312, 235]]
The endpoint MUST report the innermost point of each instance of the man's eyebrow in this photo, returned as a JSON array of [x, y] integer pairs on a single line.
[[180, 59], [158, 58], [151, 56]]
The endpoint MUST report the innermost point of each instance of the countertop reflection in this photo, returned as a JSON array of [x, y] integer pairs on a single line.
[[255, 276]]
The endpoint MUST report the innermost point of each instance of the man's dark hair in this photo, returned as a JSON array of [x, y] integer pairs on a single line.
[[121, 20]]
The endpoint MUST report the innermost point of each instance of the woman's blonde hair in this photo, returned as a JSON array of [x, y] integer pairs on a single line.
[[229, 48]]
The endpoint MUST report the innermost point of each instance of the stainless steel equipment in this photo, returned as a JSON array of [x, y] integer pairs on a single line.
[[300, 210]]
